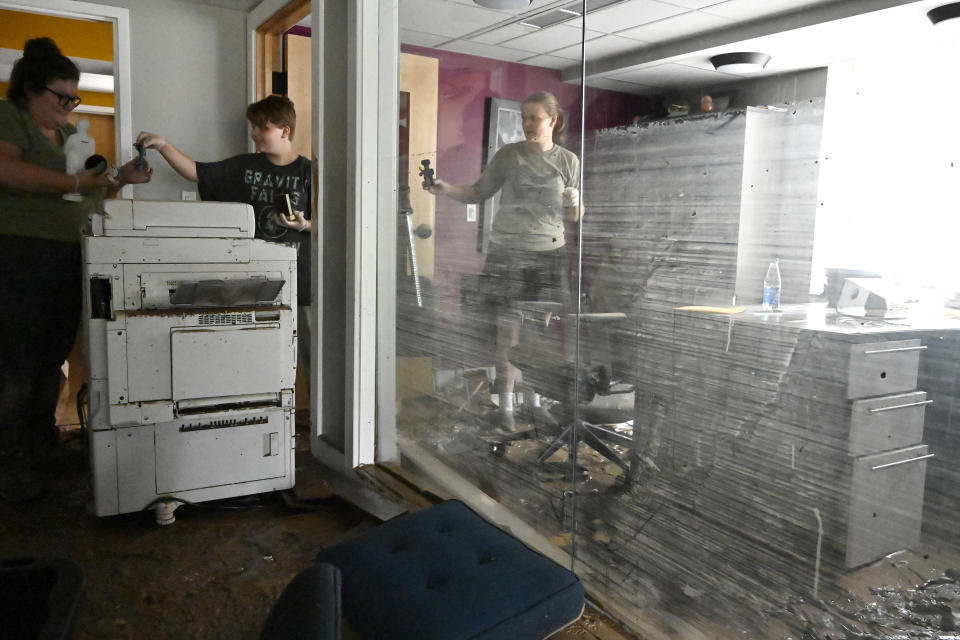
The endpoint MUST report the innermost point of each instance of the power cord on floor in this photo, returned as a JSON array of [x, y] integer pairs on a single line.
[[81, 400], [246, 502]]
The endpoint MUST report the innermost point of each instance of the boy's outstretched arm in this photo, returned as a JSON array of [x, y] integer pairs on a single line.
[[181, 162]]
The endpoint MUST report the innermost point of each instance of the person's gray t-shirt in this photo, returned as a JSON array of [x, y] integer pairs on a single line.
[[39, 214], [531, 213]]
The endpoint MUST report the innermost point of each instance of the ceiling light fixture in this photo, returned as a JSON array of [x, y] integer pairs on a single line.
[[740, 62], [945, 19], [944, 13], [509, 5]]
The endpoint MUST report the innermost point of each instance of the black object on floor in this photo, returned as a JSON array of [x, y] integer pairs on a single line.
[[39, 598], [308, 608]]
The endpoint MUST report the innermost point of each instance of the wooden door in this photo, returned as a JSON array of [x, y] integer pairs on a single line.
[[419, 77], [297, 65]]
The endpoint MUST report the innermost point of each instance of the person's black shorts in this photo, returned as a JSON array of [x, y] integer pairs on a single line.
[[511, 275]]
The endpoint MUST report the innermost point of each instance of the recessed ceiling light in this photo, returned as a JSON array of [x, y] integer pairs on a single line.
[[510, 5], [944, 13], [945, 19], [740, 62]]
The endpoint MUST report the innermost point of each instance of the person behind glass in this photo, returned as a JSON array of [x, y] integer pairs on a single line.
[[539, 183], [266, 180], [40, 264]]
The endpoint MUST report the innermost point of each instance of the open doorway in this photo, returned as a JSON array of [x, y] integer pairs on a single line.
[[91, 42], [282, 64], [97, 38]]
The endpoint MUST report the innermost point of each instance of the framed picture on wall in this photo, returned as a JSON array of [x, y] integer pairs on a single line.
[[504, 125]]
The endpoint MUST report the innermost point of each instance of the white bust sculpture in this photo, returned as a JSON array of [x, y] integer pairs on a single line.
[[78, 147]]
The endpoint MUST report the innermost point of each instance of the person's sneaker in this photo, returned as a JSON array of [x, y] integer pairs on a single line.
[[542, 415], [502, 422], [507, 421]]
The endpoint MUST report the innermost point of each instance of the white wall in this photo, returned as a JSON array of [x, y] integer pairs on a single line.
[[188, 82], [889, 183]]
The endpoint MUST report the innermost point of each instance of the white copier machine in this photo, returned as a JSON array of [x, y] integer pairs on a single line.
[[190, 330]]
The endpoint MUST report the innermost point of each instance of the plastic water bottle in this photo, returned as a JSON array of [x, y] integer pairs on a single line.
[[771, 287]]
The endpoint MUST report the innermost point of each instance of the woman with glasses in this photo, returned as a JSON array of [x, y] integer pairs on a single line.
[[39, 256]]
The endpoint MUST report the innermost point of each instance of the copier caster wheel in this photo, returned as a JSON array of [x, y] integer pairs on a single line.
[[163, 510]]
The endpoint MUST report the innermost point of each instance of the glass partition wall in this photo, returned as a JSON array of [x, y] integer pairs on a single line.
[[693, 348]]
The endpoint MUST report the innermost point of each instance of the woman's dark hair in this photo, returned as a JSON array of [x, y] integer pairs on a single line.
[[552, 107], [41, 64]]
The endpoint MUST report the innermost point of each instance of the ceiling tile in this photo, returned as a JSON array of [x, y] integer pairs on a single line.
[[629, 14], [750, 9], [409, 36], [653, 22], [508, 32], [693, 4], [455, 20], [551, 38], [536, 4], [600, 48], [548, 62], [495, 52], [676, 27]]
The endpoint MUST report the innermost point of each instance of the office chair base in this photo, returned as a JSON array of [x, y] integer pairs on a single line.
[[499, 442], [591, 436], [560, 470]]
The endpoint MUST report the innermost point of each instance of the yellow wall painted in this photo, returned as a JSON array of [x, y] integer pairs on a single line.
[[75, 37], [78, 38]]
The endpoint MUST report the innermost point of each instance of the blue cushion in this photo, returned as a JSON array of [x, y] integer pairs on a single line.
[[446, 573]]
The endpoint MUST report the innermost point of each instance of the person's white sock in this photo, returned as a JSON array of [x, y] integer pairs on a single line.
[[536, 411]]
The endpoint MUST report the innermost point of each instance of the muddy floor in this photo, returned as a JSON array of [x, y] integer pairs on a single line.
[[908, 595], [213, 574]]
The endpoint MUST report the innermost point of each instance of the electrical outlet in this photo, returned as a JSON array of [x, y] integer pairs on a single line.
[[190, 196], [471, 213]]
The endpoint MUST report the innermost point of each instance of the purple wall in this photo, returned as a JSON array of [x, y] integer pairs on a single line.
[[465, 84]]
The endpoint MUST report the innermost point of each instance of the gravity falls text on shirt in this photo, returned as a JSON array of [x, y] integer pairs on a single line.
[[269, 188]]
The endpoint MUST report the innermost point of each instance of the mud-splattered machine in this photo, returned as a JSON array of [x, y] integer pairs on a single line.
[[190, 335]]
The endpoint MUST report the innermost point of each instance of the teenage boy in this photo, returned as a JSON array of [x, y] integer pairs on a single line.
[[265, 180]]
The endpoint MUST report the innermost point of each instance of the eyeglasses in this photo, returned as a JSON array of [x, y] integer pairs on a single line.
[[67, 102]]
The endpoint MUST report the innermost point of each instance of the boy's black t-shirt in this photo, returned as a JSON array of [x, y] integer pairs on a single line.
[[251, 178]]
